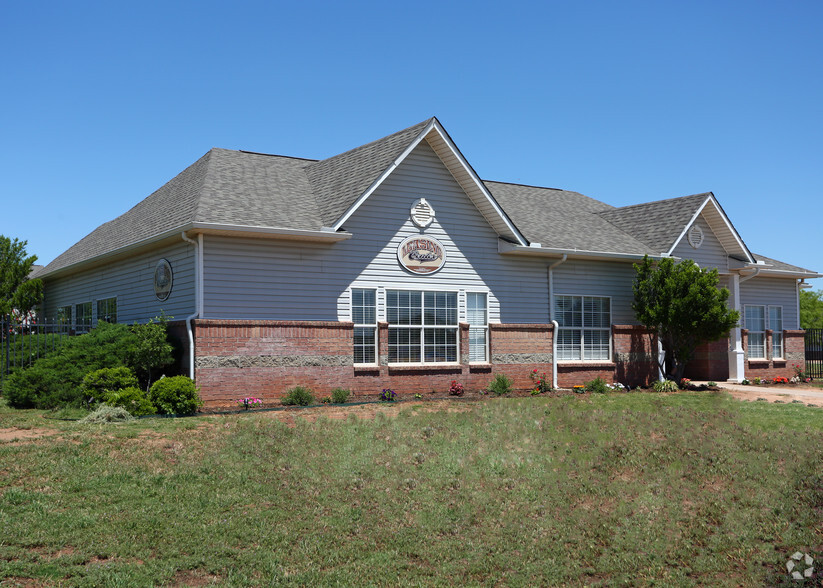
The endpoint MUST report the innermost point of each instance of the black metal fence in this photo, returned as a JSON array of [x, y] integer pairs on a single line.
[[23, 343], [814, 353]]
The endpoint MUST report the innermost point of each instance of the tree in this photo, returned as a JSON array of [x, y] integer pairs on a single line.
[[17, 292], [682, 307], [811, 309]]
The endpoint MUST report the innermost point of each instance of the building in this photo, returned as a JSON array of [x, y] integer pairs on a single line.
[[395, 265]]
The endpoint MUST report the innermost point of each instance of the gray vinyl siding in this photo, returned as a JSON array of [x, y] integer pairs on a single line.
[[131, 281], [773, 292], [292, 280], [710, 254], [599, 278], [247, 278]]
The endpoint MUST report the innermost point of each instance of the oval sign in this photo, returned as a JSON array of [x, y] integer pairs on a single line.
[[421, 255], [163, 279]]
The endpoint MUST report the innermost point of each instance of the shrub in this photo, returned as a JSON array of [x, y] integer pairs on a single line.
[[340, 395], [597, 385], [388, 395], [298, 396], [456, 388], [685, 383], [55, 380], [151, 349], [98, 384], [665, 386], [500, 385], [175, 395], [107, 414], [712, 384], [133, 399]]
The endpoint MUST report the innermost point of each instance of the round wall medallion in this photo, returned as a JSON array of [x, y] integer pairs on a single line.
[[163, 279], [421, 255], [695, 236], [422, 213]]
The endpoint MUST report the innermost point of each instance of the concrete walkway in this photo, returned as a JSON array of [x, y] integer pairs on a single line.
[[807, 395]]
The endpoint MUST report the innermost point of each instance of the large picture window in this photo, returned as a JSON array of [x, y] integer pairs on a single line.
[[364, 316], [585, 328], [422, 326]]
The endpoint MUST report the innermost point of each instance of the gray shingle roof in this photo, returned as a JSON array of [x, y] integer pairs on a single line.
[[782, 266], [656, 224], [340, 180], [238, 188], [563, 220]]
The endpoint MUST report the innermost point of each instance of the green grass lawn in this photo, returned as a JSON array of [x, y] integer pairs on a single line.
[[635, 489]]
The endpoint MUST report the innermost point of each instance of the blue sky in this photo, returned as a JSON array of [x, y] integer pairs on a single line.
[[626, 102]]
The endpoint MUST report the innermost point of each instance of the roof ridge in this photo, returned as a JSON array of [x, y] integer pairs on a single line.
[[628, 206], [371, 143]]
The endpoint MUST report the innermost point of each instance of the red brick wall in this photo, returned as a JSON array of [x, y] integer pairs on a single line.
[[710, 362], [794, 352], [264, 358]]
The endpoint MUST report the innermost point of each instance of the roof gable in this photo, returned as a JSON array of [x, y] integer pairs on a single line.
[[437, 138]]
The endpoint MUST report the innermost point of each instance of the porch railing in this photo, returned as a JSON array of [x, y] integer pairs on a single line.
[[23, 343]]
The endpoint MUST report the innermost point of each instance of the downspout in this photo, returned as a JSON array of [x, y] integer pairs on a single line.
[[198, 299], [555, 326]]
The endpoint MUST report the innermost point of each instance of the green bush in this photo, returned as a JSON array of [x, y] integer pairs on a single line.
[[175, 395], [55, 380], [133, 399], [666, 386], [340, 395], [298, 396], [500, 385], [107, 414], [98, 384], [598, 385]]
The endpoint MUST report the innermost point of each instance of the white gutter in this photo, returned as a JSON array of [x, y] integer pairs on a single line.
[[555, 326], [749, 277], [512, 249], [198, 294]]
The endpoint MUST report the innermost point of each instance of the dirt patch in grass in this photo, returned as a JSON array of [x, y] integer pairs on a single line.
[[365, 411], [194, 578], [15, 435]]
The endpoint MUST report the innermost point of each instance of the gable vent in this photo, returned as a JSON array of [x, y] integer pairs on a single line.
[[422, 214], [695, 236]]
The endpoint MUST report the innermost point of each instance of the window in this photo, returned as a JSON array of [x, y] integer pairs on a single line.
[[478, 318], [63, 315], [776, 324], [759, 318], [364, 316], [107, 310], [422, 326], [585, 327], [756, 325], [82, 316]]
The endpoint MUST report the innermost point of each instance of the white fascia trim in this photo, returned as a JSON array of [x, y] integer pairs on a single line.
[[325, 235], [482, 187], [512, 249], [725, 221], [434, 125], [363, 197], [765, 271]]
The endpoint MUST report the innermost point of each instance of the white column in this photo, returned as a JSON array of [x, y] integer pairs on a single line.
[[737, 363]]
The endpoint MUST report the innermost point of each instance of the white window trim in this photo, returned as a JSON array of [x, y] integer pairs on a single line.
[[763, 332], [583, 329], [769, 326], [364, 325], [484, 327], [421, 327]]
